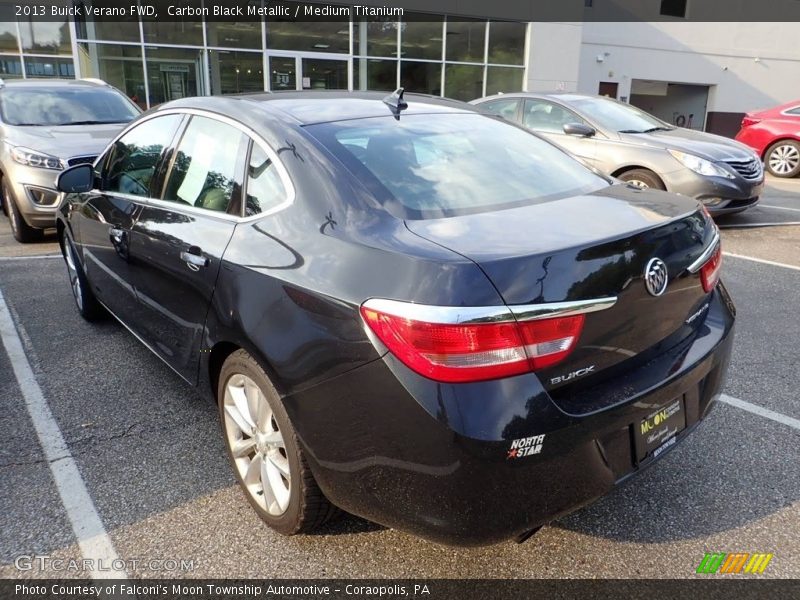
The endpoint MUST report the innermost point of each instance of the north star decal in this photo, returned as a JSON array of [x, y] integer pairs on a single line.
[[526, 446]]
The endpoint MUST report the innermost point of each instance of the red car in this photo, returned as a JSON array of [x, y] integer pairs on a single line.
[[775, 135]]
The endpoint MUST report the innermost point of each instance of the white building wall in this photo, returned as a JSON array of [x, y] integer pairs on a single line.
[[554, 56], [748, 65]]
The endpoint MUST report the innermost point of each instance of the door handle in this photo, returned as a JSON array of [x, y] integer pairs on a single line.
[[194, 260]]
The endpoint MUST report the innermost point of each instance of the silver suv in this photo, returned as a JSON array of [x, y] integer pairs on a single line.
[[45, 127]]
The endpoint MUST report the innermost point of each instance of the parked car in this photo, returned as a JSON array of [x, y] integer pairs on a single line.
[[634, 146], [775, 136], [421, 314], [46, 126]]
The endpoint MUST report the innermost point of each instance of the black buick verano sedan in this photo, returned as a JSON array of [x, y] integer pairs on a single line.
[[420, 314]]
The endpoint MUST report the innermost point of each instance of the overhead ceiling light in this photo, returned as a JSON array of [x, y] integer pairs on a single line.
[[323, 46], [343, 32]]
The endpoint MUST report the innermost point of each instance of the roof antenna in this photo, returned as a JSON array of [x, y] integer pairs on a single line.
[[395, 102]]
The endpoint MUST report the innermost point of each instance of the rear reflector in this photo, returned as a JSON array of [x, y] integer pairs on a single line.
[[475, 352], [748, 121], [709, 272]]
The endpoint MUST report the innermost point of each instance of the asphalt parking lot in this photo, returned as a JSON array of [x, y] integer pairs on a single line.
[[150, 457]]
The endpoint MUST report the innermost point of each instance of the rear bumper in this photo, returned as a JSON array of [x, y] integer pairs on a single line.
[[433, 459]]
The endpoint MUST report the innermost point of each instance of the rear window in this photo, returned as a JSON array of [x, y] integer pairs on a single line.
[[65, 105], [429, 166]]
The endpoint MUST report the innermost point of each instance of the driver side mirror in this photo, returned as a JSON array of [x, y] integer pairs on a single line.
[[76, 180], [579, 129]]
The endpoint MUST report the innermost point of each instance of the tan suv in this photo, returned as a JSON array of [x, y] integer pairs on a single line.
[[45, 127]]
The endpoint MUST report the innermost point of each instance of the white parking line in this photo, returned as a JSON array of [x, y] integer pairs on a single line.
[[761, 411], [744, 225], [4, 258], [86, 523], [779, 207], [762, 261]]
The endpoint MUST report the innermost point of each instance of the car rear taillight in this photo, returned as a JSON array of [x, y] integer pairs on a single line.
[[709, 272], [748, 121], [465, 352]]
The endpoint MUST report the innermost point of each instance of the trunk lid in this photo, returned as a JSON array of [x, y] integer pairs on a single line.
[[590, 247]]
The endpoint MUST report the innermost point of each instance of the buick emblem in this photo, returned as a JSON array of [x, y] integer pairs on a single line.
[[656, 277]]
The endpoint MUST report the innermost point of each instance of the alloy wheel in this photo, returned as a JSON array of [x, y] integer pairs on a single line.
[[638, 183], [256, 444], [784, 159], [72, 270]]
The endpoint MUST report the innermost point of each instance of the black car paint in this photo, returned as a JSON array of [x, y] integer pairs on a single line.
[[382, 441]]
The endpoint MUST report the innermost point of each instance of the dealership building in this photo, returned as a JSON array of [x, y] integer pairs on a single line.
[[702, 75]]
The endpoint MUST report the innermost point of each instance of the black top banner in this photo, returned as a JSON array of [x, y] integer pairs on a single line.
[[420, 10]]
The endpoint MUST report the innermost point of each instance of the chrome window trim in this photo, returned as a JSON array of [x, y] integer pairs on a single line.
[[787, 111], [474, 315], [703, 258], [257, 139]]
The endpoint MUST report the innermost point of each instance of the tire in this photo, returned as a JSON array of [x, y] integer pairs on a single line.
[[289, 501], [782, 159], [642, 178], [88, 306], [23, 232]]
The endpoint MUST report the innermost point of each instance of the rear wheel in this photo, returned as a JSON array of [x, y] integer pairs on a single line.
[[642, 178], [88, 306], [783, 158], [264, 450], [23, 232]]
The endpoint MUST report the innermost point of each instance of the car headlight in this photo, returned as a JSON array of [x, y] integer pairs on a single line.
[[700, 165], [31, 158]]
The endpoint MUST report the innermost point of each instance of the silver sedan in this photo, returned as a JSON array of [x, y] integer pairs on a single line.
[[634, 146]]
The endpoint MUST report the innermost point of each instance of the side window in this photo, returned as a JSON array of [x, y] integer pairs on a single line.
[[793, 111], [506, 108], [205, 171], [541, 115], [265, 190], [132, 160]]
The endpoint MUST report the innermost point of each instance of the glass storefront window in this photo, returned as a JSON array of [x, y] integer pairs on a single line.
[[314, 36], [466, 40], [173, 73], [463, 82], [36, 67], [43, 37], [10, 67], [507, 43], [245, 34], [421, 39], [182, 31], [235, 72], [375, 38], [503, 79], [8, 37], [322, 74], [374, 74], [118, 65], [112, 30], [422, 77], [282, 73]]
